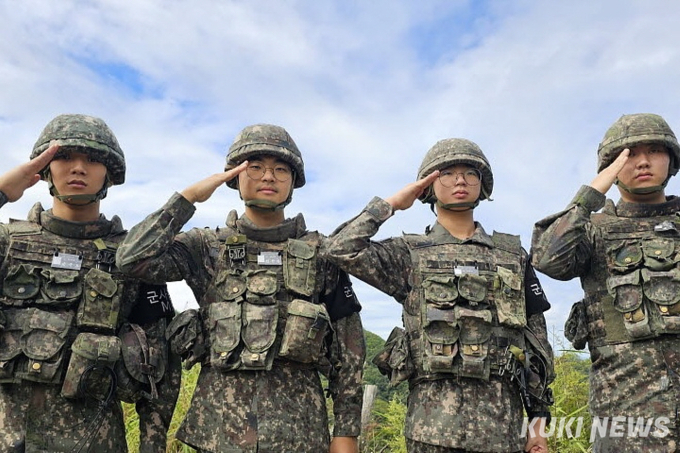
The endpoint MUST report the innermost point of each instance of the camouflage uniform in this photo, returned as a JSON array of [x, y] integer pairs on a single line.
[[62, 303], [626, 260], [266, 297], [467, 304]]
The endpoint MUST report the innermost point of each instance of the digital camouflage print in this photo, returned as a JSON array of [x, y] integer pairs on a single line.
[[459, 328], [627, 260], [250, 282], [59, 283]]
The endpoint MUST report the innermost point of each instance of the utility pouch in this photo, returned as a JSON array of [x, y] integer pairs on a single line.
[[258, 334], [13, 321], [440, 291], [60, 286], [624, 257], [658, 253], [306, 327], [440, 334], [627, 293], [472, 288], [100, 306], [186, 338], [89, 353], [231, 285], [475, 333], [261, 286], [43, 343], [143, 365], [22, 282], [394, 360], [663, 289], [576, 326], [509, 299], [299, 267], [223, 324]]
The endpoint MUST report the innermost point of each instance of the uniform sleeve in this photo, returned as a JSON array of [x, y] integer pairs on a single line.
[[348, 390], [562, 243], [384, 265], [155, 416], [155, 250], [3, 199]]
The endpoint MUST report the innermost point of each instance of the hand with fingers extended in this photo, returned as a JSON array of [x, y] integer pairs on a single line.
[[404, 198], [202, 190], [607, 177], [17, 180]]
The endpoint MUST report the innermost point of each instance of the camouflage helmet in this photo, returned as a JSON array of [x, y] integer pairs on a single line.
[[266, 139], [90, 135], [452, 151], [635, 129]]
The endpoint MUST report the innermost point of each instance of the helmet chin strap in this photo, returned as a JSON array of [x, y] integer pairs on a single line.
[[268, 205], [642, 190], [453, 206], [80, 199]]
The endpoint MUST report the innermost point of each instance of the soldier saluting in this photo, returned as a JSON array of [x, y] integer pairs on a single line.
[[474, 345], [273, 311], [627, 260], [76, 335]]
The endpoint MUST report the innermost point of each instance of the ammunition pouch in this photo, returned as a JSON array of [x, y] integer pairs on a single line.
[[186, 338], [100, 305], [13, 321], [90, 354], [306, 328], [394, 360]]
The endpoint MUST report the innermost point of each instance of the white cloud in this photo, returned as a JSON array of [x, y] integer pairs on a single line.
[[365, 88]]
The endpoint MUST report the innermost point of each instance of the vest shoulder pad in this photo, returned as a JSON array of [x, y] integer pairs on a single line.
[[507, 242]]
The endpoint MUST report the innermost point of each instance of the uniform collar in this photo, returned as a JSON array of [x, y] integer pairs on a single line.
[[289, 228], [442, 235], [669, 207], [77, 230]]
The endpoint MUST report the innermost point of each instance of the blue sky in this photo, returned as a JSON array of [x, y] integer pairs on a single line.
[[364, 88]]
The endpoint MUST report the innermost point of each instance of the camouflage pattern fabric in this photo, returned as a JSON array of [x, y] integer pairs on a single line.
[[629, 377], [281, 409], [35, 414], [419, 447], [447, 413]]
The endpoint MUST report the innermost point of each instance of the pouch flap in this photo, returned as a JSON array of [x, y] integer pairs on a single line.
[[440, 288], [101, 282], [96, 347], [472, 287], [262, 282], [658, 248], [22, 282], [661, 287], [306, 309], [510, 278], [300, 249], [475, 325]]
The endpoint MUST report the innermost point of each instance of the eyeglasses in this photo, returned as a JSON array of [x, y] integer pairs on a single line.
[[449, 178], [281, 173]]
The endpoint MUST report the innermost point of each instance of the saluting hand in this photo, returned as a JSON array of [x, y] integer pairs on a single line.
[[606, 178], [202, 190], [405, 197], [17, 180]]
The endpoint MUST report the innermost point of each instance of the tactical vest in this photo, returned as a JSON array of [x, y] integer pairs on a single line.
[[60, 311], [263, 303], [466, 308], [642, 295], [53, 288]]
